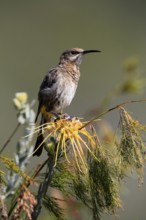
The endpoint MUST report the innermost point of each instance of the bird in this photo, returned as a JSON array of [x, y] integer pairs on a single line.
[[58, 88]]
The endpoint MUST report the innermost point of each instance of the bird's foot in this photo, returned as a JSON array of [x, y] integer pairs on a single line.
[[56, 116], [69, 117], [59, 116]]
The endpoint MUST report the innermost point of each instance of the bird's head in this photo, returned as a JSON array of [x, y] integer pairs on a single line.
[[74, 55]]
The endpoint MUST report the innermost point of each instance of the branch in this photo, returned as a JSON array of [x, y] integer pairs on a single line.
[[44, 186], [9, 139], [111, 109]]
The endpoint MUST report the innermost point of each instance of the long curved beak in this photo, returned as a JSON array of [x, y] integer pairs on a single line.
[[90, 51]]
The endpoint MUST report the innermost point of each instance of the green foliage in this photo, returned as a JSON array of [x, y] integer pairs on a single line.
[[63, 178], [131, 147], [51, 204], [12, 166], [81, 188], [104, 186], [2, 180]]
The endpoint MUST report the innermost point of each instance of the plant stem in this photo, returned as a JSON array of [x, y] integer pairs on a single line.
[[9, 139], [109, 110], [43, 187]]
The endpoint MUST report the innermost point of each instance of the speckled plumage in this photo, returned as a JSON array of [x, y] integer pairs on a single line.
[[59, 86]]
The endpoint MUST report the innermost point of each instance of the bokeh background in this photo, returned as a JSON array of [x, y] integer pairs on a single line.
[[34, 33]]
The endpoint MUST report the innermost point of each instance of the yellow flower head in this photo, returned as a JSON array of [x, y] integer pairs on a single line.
[[68, 136]]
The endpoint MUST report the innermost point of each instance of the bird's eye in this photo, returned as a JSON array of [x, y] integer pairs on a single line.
[[74, 52]]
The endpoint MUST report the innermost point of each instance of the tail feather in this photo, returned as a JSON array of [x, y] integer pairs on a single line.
[[39, 140], [38, 112]]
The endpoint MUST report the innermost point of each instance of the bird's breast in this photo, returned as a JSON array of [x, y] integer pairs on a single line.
[[66, 93]]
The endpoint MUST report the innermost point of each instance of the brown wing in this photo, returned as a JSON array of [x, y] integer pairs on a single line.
[[46, 92]]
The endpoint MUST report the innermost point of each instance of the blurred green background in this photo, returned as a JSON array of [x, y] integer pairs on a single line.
[[34, 33]]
